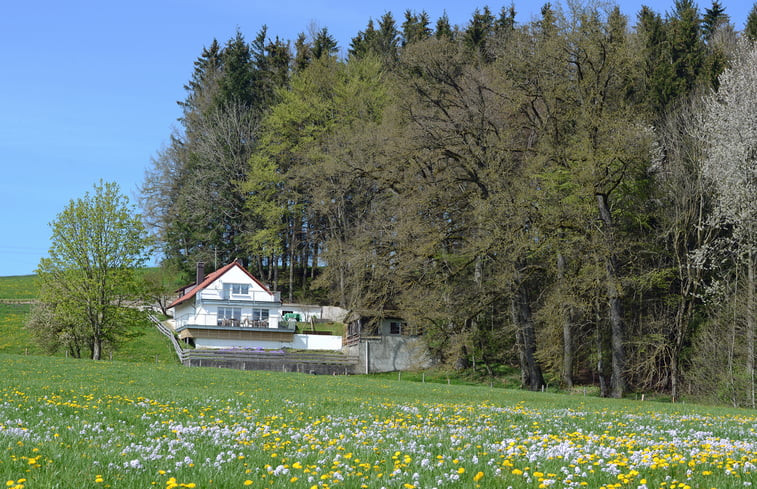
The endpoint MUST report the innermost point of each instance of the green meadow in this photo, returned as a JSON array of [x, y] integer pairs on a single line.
[[18, 288], [76, 423], [16, 296]]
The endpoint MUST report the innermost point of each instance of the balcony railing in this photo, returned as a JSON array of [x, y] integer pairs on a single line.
[[212, 320]]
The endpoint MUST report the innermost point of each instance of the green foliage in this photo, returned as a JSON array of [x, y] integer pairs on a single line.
[[750, 28], [521, 191], [89, 279]]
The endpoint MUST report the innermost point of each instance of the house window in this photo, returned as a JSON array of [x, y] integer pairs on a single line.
[[229, 316], [395, 328], [260, 314], [236, 289]]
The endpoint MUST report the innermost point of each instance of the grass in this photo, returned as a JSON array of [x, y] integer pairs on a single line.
[[68, 423], [148, 345], [13, 337], [321, 328], [21, 287]]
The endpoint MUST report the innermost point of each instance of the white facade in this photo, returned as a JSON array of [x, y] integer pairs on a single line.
[[299, 342], [230, 308], [234, 299]]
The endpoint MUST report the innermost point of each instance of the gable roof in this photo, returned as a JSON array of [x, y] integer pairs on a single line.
[[212, 277]]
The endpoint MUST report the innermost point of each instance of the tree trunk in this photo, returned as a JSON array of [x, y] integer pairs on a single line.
[[315, 260], [617, 326], [304, 264], [96, 348], [275, 265], [521, 314], [567, 329], [750, 320], [291, 274]]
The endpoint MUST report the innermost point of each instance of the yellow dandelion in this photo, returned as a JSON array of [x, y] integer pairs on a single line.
[[478, 476]]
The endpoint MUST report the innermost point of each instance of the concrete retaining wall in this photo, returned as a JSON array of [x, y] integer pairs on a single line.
[[390, 353], [322, 364]]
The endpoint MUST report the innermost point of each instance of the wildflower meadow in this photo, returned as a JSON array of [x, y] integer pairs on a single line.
[[67, 423]]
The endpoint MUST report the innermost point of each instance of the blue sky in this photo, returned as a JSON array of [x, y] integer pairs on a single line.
[[88, 89]]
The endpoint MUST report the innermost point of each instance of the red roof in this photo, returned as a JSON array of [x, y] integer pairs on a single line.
[[212, 277]]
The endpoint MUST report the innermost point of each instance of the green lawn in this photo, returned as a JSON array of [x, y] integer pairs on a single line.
[[77, 423]]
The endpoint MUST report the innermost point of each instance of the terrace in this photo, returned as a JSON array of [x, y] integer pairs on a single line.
[[242, 321]]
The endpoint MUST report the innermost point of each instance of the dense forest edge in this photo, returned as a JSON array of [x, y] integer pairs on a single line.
[[573, 198]]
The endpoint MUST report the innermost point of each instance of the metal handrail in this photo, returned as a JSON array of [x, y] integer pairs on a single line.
[[167, 332]]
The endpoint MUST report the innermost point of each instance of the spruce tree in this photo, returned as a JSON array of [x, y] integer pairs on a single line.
[[324, 44], [302, 53], [479, 30], [443, 28], [713, 18], [236, 82], [415, 28], [750, 28]]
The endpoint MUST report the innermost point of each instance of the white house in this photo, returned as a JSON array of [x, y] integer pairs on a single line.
[[230, 308]]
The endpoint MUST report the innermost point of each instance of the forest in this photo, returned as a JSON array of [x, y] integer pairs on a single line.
[[575, 196]]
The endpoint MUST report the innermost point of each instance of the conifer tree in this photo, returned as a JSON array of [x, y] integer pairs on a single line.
[[302, 53], [443, 28], [479, 30], [324, 44], [750, 28], [415, 27], [713, 18]]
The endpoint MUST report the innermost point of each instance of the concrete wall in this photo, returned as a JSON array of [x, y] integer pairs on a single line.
[[317, 342], [281, 364], [334, 313], [300, 342], [391, 353]]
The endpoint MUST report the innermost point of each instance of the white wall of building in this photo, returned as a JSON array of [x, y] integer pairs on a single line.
[[317, 342], [300, 342]]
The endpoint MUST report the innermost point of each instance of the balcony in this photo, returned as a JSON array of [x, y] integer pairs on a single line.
[[246, 322]]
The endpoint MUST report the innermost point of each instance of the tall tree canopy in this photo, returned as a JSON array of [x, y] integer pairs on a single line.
[[530, 194]]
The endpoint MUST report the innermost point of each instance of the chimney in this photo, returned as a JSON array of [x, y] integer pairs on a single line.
[[200, 272]]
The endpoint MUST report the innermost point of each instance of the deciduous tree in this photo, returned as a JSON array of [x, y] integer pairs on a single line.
[[88, 283]]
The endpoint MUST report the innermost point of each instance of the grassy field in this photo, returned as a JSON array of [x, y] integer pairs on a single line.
[[15, 295], [67, 423], [22, 287]]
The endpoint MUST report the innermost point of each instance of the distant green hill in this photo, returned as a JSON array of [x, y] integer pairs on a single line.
[[16, 297], [21, 287]]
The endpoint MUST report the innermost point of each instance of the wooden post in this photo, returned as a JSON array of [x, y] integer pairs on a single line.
[[423, 377]]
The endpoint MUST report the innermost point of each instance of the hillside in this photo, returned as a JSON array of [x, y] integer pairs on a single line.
[[17, 295]]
